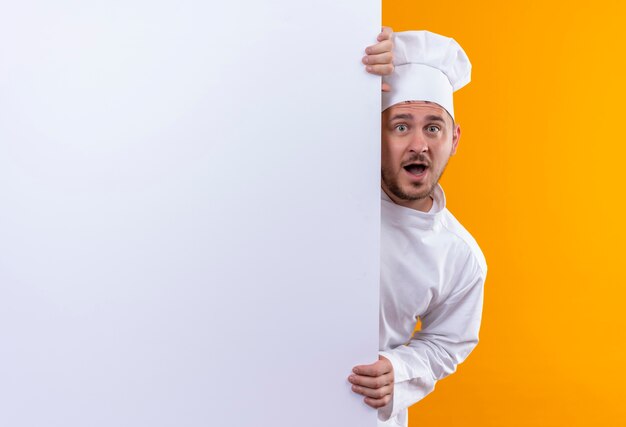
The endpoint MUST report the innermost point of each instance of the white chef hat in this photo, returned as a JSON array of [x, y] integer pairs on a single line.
[[428, 67]]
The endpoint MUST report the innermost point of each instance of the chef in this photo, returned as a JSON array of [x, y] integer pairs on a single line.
[[432, 270]]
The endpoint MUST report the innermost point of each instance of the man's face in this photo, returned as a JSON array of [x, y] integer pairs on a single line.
[[418, 138]]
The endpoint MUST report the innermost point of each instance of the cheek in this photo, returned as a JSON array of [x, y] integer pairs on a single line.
[[384, 153], [443, 153], [390, 155], [386, 159]]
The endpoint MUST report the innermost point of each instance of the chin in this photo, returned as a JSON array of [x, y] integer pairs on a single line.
[[419, 196], [423, 192], [417, 192], [410, 194], [407, 191]]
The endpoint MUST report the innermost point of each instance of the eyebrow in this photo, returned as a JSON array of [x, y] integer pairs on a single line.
[[402, 116], [434, 118], [430, 118]]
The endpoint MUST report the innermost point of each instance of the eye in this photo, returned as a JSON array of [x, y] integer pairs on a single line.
[[433, 128], [402, 128]]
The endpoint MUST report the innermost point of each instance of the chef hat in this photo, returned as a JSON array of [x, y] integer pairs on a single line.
[[428, 67]]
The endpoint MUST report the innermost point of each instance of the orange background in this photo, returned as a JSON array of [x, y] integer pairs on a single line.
[[538, 180]]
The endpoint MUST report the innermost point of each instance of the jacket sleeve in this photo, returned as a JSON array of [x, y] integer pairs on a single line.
[[448, 334]]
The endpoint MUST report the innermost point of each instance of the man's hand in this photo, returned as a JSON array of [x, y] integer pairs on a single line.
[[374, 381], [379, 57]]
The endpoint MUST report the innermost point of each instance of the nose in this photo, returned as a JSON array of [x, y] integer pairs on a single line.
[[419, 143]]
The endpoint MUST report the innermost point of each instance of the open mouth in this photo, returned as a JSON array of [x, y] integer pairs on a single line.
[[415, 168]]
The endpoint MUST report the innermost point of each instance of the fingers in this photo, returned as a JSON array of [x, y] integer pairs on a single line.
[[385, 87], [380, 70], [374, 381], [374, 370], [377, 390], [371, 382], [385, 42], [379, 58], [381, 367], [380, 47], [374, 393], [377, 403], [385, 34]]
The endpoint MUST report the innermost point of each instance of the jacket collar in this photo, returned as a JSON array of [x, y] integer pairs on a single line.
[[412, 217]]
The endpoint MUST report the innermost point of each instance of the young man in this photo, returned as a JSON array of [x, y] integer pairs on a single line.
[[431, 267]]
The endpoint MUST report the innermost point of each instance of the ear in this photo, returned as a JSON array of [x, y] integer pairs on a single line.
[[456, 136]]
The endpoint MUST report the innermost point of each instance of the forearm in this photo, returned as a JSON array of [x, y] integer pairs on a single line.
[[418, 366], [449, 333]]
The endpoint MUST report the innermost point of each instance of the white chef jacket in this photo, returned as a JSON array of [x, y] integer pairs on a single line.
[[431, 268]]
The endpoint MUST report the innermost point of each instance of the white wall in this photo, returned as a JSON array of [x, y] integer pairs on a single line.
[[189, 197]]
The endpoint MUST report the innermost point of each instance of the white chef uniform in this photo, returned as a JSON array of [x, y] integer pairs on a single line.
[[431, 267]]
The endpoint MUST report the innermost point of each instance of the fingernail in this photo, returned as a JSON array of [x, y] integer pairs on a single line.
[[368, 68], [355, 370], [368, 50], [365, 59]]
